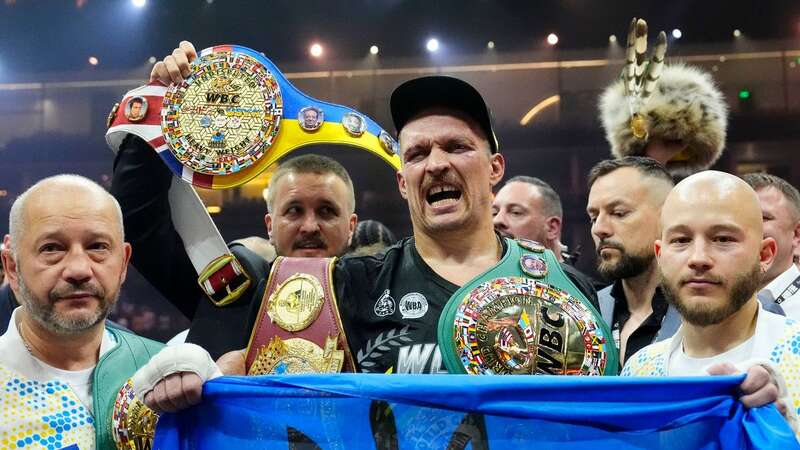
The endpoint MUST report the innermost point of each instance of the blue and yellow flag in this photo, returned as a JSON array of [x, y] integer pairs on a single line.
[[377, 412]]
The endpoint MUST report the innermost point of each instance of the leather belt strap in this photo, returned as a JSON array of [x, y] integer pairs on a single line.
[[298, 328]]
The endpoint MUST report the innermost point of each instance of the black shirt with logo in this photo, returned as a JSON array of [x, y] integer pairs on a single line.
[[389, 304]]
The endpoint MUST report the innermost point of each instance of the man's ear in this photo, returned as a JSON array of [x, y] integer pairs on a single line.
[[401, 184], [127, 251], [10, 266], [767, 253], [268, 224], [498, 168], [352, 228], [552, 227]]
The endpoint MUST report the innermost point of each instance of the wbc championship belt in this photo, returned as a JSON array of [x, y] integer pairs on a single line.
[[525, 317], [298, 328], [235, 115]]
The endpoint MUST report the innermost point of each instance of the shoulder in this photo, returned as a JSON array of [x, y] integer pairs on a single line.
[[649, 361], [137, 344]]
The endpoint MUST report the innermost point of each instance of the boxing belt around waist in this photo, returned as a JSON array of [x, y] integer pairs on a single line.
[[298, 328], [524, 316]]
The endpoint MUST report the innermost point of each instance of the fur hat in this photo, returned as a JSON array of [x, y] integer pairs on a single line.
[[685, 105]]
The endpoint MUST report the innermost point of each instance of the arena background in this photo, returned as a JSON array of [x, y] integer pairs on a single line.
[[64, 63]]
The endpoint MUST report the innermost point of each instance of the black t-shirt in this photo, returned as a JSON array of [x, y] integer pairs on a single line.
[[389, 304]]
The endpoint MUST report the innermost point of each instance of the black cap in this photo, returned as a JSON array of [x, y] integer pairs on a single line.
[[419, 94]]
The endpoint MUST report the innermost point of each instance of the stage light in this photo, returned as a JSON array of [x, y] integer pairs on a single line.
[[374, 50], [490, 45], [676, 33], [552, 39], [152, 60], [737, 33], [315, 50], [432, 45], [612, 39], [93, 60], [744, 94], [139, 3]]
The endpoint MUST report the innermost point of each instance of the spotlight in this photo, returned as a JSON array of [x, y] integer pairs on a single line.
[[139, 3], [432, 45], [676, 33], [737, 33], [151, 60], [374, 50], [490, 45], [315, 50], [552, 39], [612, 39], [93, 60]]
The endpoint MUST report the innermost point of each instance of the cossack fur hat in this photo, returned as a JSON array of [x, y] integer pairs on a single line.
[[685, 106]]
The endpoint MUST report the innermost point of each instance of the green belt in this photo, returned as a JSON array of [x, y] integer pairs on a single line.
[[557, 311]]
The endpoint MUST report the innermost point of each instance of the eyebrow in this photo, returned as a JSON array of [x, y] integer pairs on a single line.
[[683, 228]]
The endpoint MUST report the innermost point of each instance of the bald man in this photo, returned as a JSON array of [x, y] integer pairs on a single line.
[[712, 254], [66, 260]]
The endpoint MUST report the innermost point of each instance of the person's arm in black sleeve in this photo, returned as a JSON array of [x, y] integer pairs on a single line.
[[141, 186]]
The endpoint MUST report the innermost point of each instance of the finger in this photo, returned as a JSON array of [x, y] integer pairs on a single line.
[[192, 388], [764, 396], [161, 399], [158, 72], [181, 61], [188, 50], [149, 401], [174, 391], [232, 363], [721, 369], [782, 408], [173, 70], [757, 377]]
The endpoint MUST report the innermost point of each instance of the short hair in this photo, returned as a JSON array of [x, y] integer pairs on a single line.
[[16, 222], [137, 100], [318, 164], [648, 167], [551, 204], [759, 181]]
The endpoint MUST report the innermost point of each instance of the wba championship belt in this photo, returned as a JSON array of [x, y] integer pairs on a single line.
[[231, 118], [298, 328], [525, 316]]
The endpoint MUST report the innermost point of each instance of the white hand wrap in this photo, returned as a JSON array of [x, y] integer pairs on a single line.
[[174, 359]]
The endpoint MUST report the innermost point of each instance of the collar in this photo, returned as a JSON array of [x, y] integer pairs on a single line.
[[782, 281], [658, 303], [769, 329], [15, 355]]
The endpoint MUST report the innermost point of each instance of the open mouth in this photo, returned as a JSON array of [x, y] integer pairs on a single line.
[[443, 195]]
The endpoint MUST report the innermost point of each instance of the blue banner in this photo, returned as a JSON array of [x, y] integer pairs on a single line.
[[404, 412]]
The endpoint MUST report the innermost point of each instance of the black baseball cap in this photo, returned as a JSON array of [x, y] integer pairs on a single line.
[[419, 94]]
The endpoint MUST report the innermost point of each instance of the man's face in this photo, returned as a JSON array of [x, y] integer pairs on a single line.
[[310, 118], [517, 211], [710, 259], [71, 259], [136, 109], [310, 216], [624, 214], [447, 174], [780, 223]]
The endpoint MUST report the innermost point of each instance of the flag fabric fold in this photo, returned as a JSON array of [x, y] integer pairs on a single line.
[[360, 411]]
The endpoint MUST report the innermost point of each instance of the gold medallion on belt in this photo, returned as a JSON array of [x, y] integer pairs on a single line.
[[294, 305]]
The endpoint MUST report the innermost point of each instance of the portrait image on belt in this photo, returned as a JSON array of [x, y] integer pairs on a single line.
[[310, 118], [354, 124], [136, 109]]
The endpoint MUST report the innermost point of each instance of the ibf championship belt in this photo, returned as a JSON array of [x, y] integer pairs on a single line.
[[229, 120], [298, 328], [525, 317]]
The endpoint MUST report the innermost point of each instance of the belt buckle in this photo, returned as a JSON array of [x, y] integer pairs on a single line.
[[224, 280]]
